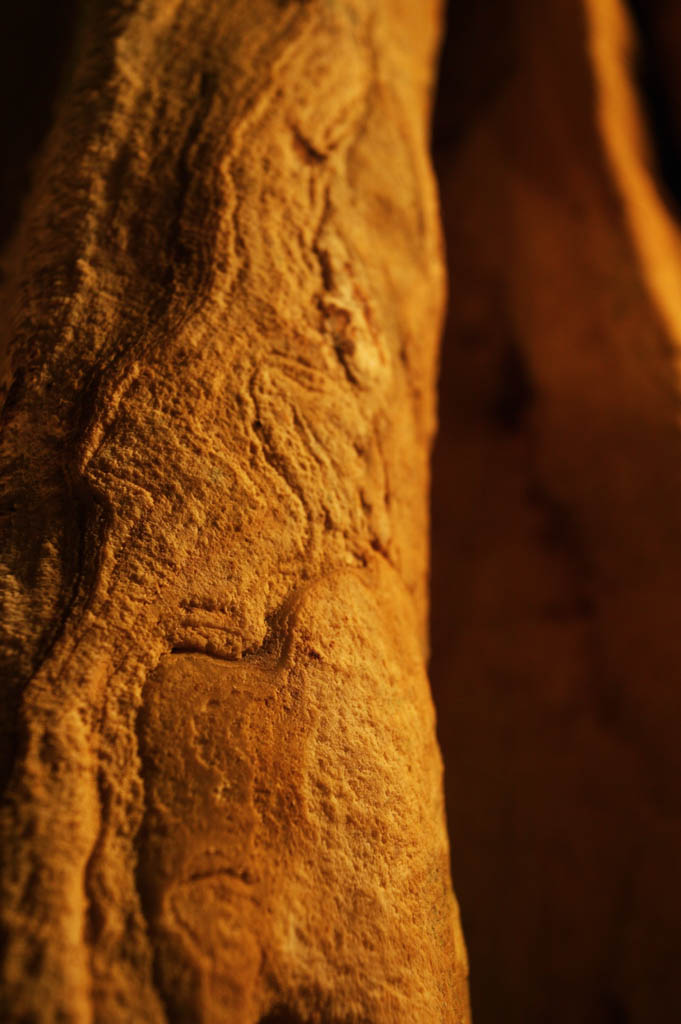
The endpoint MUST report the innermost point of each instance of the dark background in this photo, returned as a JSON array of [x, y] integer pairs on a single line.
[[556, 662]]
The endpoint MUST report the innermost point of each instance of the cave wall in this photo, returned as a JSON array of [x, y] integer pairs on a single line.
[[557, 513]]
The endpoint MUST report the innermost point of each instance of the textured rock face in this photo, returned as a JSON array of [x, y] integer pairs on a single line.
[[222, 787], [557, 512]]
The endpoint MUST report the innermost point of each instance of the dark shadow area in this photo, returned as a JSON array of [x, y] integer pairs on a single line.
[[35, 39], [281, 1015], [556, 530], [658, 26]]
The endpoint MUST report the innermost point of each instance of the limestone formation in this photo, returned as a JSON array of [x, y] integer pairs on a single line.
[[222, 302]]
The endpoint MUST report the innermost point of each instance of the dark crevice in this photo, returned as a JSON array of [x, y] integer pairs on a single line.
[[15, 393], [35, 42], [516, 393], [281, 1015], [658, 104], [83, 544], [342, 356], [463, 93], [180, 253], [218, 655], [196, 649], [303, 145]]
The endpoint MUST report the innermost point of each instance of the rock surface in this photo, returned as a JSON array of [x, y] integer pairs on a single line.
[[222, 785], [557, 520]]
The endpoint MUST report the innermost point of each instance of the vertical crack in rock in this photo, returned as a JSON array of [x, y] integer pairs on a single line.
[[657, 104]]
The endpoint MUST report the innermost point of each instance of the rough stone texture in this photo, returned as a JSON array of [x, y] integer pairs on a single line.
[[557, 520], [222, 786]]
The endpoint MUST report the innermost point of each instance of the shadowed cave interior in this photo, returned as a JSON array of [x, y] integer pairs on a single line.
[[554, 662]]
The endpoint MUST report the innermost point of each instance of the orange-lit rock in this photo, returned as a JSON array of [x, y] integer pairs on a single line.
[[223, 791]]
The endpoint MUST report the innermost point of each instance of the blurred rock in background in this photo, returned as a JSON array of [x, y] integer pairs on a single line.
[[556, 621]]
